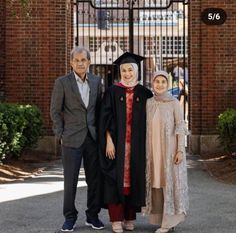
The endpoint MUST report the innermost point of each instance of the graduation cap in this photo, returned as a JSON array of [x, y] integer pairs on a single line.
[[128, 57]]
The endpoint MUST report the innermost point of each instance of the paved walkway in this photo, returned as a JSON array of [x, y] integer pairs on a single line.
[[35, 205]]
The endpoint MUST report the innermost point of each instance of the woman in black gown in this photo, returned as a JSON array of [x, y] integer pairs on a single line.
[[122, 134]]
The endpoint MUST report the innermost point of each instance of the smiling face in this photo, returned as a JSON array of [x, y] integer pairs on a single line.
[[127, 73], [160, 85]]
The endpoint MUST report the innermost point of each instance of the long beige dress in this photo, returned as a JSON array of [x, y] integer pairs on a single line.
[[164, 125]]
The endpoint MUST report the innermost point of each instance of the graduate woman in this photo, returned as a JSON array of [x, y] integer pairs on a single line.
[[122, 133], [166, 172]]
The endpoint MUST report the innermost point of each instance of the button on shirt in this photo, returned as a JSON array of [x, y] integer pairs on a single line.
[[83, 89]]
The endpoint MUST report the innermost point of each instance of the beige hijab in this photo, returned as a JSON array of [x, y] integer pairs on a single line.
[[165, 96]]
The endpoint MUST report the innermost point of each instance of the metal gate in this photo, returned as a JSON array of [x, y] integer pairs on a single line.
[[155, 29]]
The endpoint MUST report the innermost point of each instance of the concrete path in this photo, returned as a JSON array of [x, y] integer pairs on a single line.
[[35, 205]]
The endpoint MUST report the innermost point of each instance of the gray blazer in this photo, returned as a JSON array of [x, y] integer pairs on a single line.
[[71, 119]]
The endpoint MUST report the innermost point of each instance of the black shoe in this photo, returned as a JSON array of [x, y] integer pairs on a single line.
[[68, 226], [94, 223]]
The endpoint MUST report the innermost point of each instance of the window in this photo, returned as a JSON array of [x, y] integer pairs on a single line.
[[151, 45], [95, 42], [174, 45]]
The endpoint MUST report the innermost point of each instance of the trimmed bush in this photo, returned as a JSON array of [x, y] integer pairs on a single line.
[[20, 127], [227, 129]]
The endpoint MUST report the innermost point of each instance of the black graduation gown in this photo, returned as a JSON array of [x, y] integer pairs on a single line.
[[113, 119]]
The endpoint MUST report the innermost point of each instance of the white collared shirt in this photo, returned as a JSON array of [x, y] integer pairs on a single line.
[[83, 89]]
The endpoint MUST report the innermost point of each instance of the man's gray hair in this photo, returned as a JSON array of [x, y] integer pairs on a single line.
[[79, 50]]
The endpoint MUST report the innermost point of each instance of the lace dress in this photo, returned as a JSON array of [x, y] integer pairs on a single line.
[[167, 190]]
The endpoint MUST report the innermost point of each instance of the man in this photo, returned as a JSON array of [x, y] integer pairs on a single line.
[[178, 73], [74, 104]]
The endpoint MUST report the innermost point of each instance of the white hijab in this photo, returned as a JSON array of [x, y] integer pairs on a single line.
[[134, 81]]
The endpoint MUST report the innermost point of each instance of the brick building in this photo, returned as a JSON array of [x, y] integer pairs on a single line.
[[213, 71], [35, 50]]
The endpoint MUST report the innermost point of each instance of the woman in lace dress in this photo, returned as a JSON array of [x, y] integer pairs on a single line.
[[166, 172]]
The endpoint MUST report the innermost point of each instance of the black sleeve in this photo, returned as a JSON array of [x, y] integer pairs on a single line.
[[106, 123], [149, 94], [56, 108]]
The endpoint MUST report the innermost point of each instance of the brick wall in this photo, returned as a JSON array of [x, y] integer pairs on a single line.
[[37, 49], [34, 51], [212, 66], [2, 48]]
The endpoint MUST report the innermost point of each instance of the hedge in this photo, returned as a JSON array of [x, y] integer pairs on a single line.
[[227, 129], [20, 127]]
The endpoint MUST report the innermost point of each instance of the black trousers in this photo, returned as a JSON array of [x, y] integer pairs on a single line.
[[71, 159]]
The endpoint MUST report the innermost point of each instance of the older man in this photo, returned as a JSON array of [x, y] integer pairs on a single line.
[[74, 104]]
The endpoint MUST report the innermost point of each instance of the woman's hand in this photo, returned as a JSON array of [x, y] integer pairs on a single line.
[[178, 157], [110, 148]]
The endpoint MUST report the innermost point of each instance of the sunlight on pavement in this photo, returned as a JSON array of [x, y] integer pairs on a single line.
[[38, 185], [194, 162]]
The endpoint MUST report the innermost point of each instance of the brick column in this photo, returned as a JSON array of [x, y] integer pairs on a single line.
[[2, 47], [37, 52], [212, 69]]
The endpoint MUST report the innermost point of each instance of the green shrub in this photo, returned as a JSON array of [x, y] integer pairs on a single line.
[[227, 129], [20, 127]]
